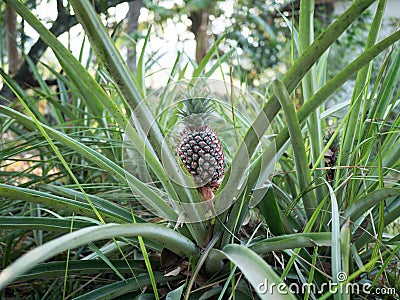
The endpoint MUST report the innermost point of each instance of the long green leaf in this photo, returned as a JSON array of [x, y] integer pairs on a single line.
[[142, 190], [270, 210], [345, 245], [172, 240], [392, 214], [98, 201], [365, 203], [260, 275], [321, 95], [291, 241], [41, 223], [81, 267], [200, 68], [300, 156], [352, 128], [114, 290], [336, 257], [55, 150], [57, 202], [292, 78], [309, 86]]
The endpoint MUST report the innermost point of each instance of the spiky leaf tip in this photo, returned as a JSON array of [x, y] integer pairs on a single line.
[[195, 111]]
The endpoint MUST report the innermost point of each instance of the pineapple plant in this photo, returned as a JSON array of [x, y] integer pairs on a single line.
[[199, 148]]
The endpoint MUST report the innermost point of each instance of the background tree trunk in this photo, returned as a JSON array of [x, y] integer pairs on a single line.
[[199, 28], [11, 40], [132, 27]]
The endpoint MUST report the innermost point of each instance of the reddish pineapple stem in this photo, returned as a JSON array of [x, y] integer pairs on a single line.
[[207, 194]]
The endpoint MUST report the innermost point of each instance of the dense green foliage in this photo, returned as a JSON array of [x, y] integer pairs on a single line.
[[94, 203]]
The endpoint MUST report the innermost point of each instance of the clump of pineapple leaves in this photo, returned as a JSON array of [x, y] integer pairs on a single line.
[[72, 228]]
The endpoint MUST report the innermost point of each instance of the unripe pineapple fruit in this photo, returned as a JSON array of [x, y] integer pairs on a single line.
[[199, 147]]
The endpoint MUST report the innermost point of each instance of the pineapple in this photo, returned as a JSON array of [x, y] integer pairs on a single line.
[[199, 147]]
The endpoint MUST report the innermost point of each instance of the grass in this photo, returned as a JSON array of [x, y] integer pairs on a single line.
[[101, 186]]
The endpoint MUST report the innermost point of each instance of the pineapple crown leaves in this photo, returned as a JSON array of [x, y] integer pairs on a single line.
[[195, 110]]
